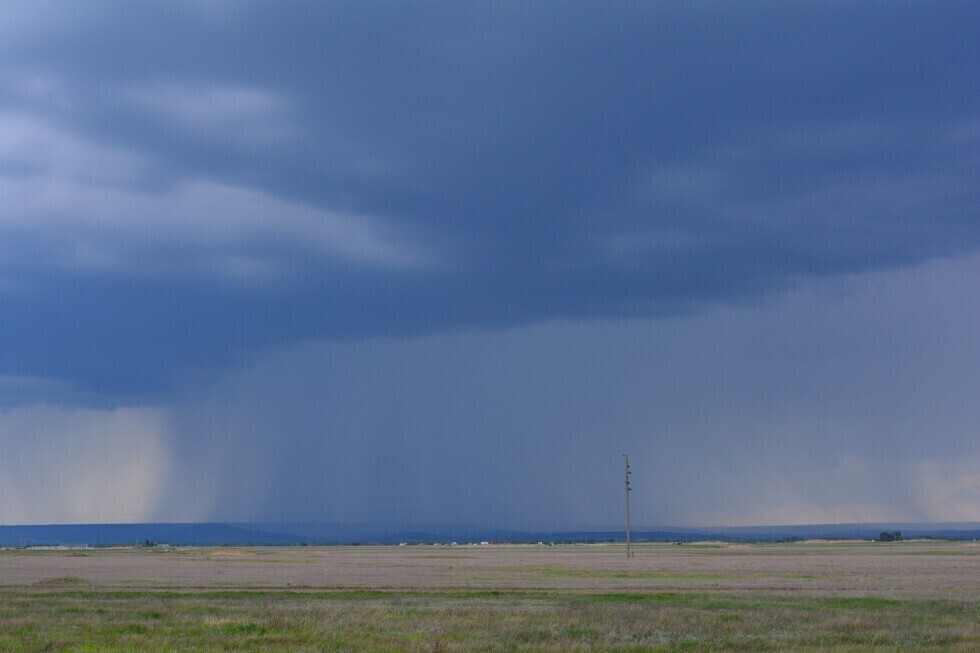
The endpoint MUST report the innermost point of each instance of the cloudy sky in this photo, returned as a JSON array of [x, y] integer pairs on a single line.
[[444, 263]]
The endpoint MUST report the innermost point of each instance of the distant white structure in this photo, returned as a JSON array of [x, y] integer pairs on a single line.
[[58, 547]]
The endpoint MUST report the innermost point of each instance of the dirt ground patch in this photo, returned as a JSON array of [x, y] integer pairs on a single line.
[[914, 570]]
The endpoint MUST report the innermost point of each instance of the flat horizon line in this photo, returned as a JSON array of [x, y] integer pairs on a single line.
[[606, 528]]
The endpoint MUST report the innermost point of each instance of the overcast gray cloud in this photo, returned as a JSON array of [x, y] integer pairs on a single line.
[[208, 208], [841, 402]]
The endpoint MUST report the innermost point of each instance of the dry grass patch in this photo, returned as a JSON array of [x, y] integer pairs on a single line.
[[683, 598]]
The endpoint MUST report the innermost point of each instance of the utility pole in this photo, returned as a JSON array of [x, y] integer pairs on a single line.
[[629, 546]]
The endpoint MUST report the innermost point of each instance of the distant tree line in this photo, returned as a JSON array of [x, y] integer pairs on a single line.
[[890, 536]]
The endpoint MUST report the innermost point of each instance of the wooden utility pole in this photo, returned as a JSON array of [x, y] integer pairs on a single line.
[[629, 546]]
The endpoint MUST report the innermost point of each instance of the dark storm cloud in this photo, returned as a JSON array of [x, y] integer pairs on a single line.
[[183, 182]]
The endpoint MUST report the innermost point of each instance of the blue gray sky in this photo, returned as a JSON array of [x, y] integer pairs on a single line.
[[447, 262]]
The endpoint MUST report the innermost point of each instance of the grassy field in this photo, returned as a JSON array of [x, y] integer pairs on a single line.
[[834, 597]]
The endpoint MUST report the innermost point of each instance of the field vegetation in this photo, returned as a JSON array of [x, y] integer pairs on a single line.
[[820, 597]]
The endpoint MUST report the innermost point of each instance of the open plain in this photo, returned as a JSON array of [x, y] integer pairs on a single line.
[[848, 596]]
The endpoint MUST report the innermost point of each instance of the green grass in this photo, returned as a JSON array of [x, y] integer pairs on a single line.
[[568, 599], [63, 581], [86, 619]]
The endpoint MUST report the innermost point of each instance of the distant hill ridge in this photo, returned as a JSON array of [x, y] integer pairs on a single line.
[[212, 534]]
